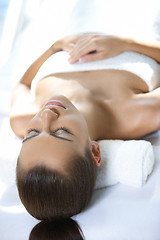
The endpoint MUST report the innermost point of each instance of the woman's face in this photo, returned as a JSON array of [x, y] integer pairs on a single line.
[[53, 136]]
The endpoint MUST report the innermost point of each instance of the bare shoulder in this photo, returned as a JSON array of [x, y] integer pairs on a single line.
[[23, 109], [141, 115]]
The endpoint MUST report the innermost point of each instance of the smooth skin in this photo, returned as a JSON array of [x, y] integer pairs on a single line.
[[102, 104]]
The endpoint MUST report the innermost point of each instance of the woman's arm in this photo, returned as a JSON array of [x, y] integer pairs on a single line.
[[150, 49], [90, 47], [23, 108], [35, 66]]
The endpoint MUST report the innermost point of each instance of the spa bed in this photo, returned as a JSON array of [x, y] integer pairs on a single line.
[[118, 212]]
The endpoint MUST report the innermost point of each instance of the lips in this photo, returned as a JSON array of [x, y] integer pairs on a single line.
[[55, 103]]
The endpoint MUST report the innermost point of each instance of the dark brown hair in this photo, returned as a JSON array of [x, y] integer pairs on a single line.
[[59, 230], [50, 195]]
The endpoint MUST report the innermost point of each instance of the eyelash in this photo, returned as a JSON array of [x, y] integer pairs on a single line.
[[32, 130], [37, 131]]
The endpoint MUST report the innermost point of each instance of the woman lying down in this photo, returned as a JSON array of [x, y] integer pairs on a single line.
[[105, 88]]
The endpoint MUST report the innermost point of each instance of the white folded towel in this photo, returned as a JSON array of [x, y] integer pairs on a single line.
[[127, 162]]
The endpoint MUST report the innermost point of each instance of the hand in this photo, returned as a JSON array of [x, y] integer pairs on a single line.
[[91, 47], [67, 43]]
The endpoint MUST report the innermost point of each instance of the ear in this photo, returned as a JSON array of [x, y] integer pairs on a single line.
[[95, 150]]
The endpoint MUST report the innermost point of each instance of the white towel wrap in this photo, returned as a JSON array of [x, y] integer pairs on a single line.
[[141, 65], [127, 162]]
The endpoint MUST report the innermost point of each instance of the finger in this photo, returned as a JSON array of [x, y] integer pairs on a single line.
[[91, 57], [80, 52], [84, 45], [78, 42]]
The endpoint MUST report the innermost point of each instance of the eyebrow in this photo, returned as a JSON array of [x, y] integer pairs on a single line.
[[53, 135]]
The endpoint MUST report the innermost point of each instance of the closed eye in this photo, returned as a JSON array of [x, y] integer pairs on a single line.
[[54, 131], [32, 130], [63, 129], [52, 134]]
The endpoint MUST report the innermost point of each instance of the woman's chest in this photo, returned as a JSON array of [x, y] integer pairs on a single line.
[[103, 84]]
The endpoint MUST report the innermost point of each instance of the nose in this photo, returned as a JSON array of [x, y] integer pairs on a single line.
[[48, 118]]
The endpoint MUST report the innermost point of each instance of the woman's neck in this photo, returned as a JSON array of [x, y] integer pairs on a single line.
[[91, 110]]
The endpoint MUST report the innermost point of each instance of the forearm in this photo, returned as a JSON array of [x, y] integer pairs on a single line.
[[35, 66], [22, 90], [106, 46], [150, 49]]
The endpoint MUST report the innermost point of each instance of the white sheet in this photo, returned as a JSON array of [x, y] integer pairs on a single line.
[[118, 212]]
